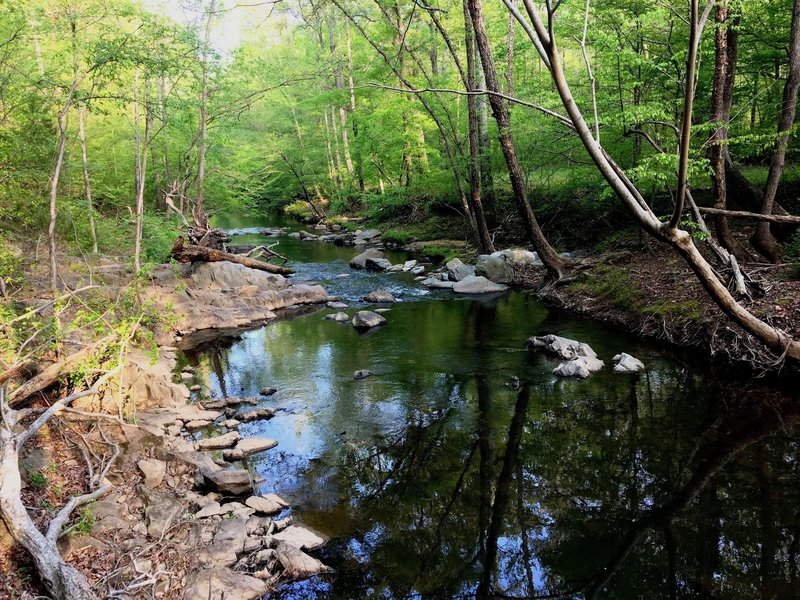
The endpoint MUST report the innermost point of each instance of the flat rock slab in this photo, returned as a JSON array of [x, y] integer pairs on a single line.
[[231, 533], [267, 504], [478, 285], [248, 446], [366, 319], [234, 481], [297, 564], [209, 510], [192, 413], [198, 424], [221, 582], [300, 537], [218, 443], [255, 415], [337, 305]]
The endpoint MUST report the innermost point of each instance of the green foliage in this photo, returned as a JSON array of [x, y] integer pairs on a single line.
[[85, 521], [37, 479]]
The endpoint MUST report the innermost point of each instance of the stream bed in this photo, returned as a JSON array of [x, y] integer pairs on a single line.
[[436, 477]]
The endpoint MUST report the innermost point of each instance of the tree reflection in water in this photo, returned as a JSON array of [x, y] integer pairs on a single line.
[[672, 484]]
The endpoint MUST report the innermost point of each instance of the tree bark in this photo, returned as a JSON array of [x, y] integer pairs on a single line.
[[725, 45], [353, 121], [142, 142], [763, 239], [87, 184], [199, 207], [339, 82], [484, 239], [552, 261]]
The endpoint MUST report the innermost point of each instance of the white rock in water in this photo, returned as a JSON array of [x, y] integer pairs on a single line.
[[339, 317], [409, 264], [627, 364], [418, 270], [580, 359], [366, 319]]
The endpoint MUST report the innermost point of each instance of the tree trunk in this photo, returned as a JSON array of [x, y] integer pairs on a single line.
[[87, 185], [329, 153], [162, 116], [552, 261], [142, 142], [725, 44], [484, 239], [51, 229], [510, 56], [199, 209], [190, 253], [763, 239], [353, 121], [339, 82]]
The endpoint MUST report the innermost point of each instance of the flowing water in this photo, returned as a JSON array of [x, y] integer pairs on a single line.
[[434, 478]]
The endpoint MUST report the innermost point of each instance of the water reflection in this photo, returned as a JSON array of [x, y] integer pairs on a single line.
[[435, 479]]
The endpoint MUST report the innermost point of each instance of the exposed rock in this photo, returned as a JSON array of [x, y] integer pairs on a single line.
[[225, 275], [580, 360], [337, 305], [368, 235], [153, 470], [438, 284], [379, 297], [361, 374], [234, 481], [409, 265], [477, 285], [304, 235], [360, 261], [255, 414], [267, 504], [220, 583], [192, 413], [195, 388], [231, 533], [251, 445], [339, 317], [267, 391], [457, 270], [300, 537], [519, 256], [366, 319], [398, 268], [377, 264], [627, 364], [160, 513], [217, 443], [197, 424], [209, 510], [297, 564], [214, 404], [418, 270], [230, 424], [494, 268]]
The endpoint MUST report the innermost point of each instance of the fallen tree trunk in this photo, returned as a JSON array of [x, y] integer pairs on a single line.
[[189, 253], [751, 215], [51, 374]]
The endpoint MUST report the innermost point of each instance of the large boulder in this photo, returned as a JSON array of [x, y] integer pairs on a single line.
[[368, 235], [627, 364], [339, 317], [360, 261], [457, 270], [233, 481], [379, 297], [227, 275], [366, 319], [494, 268], [477, 285]]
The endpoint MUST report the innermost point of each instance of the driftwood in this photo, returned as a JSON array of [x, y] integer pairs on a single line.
[[190, 253], [25, 368], [750, 215], [53, 373]]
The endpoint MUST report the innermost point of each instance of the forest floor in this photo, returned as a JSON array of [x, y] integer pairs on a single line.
[[648, 290]]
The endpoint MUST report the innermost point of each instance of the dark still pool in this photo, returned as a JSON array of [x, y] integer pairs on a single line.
[[462, 467]]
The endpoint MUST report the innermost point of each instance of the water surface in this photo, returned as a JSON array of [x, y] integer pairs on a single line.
[[434, 478]]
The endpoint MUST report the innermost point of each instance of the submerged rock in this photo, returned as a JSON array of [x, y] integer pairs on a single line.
[[337, 305], [255, 414], [366, 319], [268, 391], [477, 285], [339, 317], [627, 364], [379, 297], [361, 374]]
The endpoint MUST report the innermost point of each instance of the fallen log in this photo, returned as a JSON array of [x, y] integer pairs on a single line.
[[741, 214], [189, 253], [54, 372], [21, 369]]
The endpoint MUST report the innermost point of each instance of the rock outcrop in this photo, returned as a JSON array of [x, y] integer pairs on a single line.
[[580, 360], [625, 363], [474, 284]]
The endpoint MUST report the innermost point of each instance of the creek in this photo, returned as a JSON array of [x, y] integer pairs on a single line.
[[434, 478]]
